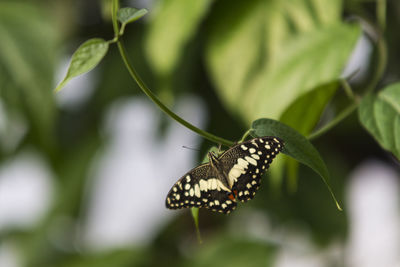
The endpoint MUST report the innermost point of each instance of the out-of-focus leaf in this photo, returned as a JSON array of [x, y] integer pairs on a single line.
[[27, 63], [305, 112], [311, 60], [230, 252], [195, 215], [260, 64], [129, 14], [171, 27], [380, 115], [296, 146], [85, 58]]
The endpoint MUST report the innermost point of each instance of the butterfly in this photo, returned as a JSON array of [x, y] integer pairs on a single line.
[[235, 174]]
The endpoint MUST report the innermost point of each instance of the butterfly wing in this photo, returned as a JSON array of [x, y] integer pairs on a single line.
[[201, 188], [246, 162]]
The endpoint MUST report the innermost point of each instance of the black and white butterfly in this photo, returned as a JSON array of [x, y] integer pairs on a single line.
[[236, 173]]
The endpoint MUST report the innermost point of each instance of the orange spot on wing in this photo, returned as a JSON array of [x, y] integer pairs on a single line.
[[235, 192], [231, 197]]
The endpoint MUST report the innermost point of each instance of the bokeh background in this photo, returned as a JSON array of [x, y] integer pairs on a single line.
[[84, 172]]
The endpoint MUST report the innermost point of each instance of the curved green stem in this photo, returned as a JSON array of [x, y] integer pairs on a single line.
[[247, 133], [344, 114], [347, 89], [150, 94], [381, 14], [381, 65]]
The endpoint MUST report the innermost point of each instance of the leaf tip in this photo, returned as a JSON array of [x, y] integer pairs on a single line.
[[61, 85], [195, 215]]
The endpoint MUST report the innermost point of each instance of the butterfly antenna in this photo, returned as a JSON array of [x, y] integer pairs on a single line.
[[191, 148]]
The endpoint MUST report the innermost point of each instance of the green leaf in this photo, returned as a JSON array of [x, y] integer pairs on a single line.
[[129, 14], [85, 58], [195, 215], [300, 116], [380, 115], [170, 29], [263, 55], [296, 146]]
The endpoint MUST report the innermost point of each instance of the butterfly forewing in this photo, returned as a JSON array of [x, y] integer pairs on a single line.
[[201, 188], [246, 162]]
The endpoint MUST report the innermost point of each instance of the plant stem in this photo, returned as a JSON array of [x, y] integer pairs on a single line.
[[381, 14], [247, 133], [347, 89], [344, 114], [381, 65], [150, 94]]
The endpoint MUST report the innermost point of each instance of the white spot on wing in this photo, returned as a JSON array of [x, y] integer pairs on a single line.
[[213, 184], [251, 160], [197, 190], [203, 185], [241, 162]]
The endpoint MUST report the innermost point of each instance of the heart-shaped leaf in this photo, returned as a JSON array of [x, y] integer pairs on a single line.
[[263, 55], [380, 115], [296, 146]]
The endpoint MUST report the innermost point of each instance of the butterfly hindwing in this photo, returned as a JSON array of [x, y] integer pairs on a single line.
[[246, 162], [201, 188]]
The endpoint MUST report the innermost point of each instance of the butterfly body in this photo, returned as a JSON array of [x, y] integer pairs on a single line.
[[235, 174]]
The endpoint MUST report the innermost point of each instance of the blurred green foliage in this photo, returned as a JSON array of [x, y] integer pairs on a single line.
[[246, 60]]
